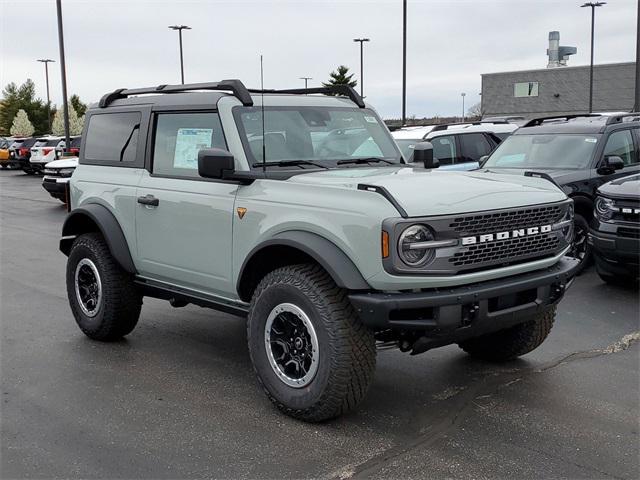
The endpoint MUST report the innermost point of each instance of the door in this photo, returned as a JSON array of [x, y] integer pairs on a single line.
[[620, 143], [184, 222]]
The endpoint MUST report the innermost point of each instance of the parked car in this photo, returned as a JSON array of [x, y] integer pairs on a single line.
[[576, 152], [73, 150], [325, 245], [20, 153], [43, 152], [615, 231], [457, 146], [4, 152], [57, 175]]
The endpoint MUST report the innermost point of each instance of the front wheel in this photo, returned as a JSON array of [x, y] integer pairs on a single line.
[[312, 355], [101, 294], [580, 249], [512, 342]]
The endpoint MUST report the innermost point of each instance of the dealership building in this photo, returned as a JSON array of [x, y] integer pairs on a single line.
[[559, 89]]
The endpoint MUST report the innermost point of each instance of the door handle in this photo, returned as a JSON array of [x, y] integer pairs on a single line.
[[149, 200]]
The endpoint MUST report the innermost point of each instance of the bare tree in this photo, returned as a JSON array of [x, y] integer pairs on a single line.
[[475, 111]]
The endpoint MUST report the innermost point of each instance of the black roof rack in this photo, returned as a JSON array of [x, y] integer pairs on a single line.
[[445, 126], [235, 86], [623, 117], [540, 120], [238, 89], [344, 90]]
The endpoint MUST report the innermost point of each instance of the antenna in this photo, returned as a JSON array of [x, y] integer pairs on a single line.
[[264, 150]]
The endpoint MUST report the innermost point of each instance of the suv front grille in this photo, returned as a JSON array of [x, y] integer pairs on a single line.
[[506, 250], [502, 221], [626, 211]]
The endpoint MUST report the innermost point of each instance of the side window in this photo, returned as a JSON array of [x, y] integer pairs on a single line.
[[620, 144], [474, 146], [444, 149], [112, 137], [178, 139]]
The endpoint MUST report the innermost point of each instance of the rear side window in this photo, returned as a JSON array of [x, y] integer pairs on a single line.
[[474, 146], [620, 144], [444, 149], [178, 139], [113, 137]]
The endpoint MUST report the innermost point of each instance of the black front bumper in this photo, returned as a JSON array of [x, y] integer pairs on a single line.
[[454, 314], [55, 189], [616, 254]]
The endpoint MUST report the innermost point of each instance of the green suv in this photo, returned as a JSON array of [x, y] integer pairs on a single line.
[[295, 209]]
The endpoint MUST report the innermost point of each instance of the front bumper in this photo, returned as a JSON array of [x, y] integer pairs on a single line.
[[615, 254], [450, 315], [56, 186]]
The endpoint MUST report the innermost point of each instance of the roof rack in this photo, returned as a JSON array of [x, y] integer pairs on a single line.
[[235, 86], [540, 120], [445, 126], [623, 118], [345, 90], [238, 89]]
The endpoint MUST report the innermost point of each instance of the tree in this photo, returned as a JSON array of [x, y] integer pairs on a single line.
[[78, 106], [75, 123], [341, 77], [475, 110], [16, 98], [21, 126]]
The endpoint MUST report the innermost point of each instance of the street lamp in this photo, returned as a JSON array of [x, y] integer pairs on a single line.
[[361, 40], [593, 6], [179, 28], [463, 95], [46, 62], [63, 74], [306, 81], [404, 62]]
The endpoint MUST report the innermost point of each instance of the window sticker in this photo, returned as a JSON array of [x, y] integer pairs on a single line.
[[188, 142], [591, 140], [370, 119]]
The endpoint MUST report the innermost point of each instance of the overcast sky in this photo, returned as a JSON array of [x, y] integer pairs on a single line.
[[450, 43]]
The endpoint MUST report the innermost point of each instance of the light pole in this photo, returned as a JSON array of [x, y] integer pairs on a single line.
[[63, 72], [463, 95], [46, 62], [404, 62], [361, 40], [306, 81], [636, 107], [593, 6], [179, 28]]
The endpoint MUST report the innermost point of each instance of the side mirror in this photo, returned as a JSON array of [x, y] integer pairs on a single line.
[[423, 153], [215, 163], [483, 160], [614, 162]]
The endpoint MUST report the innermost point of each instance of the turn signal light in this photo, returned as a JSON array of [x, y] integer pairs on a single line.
[[385, 244]]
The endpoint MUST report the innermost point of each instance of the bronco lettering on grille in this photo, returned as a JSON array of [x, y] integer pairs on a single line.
[[519, 232]]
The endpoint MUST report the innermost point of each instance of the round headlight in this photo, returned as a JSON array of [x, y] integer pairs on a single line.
[[604, 209], [409, 248]]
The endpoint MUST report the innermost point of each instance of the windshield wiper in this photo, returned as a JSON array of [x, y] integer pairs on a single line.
[[364, 160], [287, 163]]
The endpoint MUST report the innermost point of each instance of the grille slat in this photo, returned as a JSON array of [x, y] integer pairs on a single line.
[[506, 250], [503, 221]]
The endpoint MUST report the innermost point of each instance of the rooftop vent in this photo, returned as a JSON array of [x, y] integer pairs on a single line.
[[558, 55]]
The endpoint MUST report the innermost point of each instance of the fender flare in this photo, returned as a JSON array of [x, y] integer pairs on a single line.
[[80, 221], [326, 253], [583, 203]]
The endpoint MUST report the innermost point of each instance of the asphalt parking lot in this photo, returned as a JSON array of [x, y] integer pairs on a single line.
[[178, 398]]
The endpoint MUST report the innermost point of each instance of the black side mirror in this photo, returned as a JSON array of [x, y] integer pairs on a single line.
[[613, 162], [423, 153], [215, 163]]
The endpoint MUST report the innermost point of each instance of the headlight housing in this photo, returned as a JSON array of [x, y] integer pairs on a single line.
[[66, 172], [605, 208], [409, 249]]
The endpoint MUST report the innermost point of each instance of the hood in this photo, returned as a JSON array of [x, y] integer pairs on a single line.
[[423, 192], [69, 162], [622, 187]]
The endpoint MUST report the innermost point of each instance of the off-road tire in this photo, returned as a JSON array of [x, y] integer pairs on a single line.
[[347, 354], [120, 305], [513, 342]]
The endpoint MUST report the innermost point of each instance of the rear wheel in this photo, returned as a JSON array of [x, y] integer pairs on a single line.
[[312, 355], [513, 342], [102, 295]]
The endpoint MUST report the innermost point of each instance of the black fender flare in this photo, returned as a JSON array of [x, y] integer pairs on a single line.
[[583, 205], [326, 253], [82, 219]]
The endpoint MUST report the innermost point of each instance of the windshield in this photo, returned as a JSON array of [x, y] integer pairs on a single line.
[[544, 151], [317, 135], [406, 147]]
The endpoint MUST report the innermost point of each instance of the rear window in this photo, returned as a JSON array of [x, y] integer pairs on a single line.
[[113, 137], [28, 143], [51, 143], [75, 142]]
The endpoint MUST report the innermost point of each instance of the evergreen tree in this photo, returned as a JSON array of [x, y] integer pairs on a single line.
[[78, 106], [16, 98], [21, 126], [75, 123], [341, 77]]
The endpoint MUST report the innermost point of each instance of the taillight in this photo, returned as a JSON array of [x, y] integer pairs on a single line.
[[24, 152], [75, 151], [45, 151]]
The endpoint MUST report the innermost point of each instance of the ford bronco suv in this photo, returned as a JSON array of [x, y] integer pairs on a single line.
[[296, 210]]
